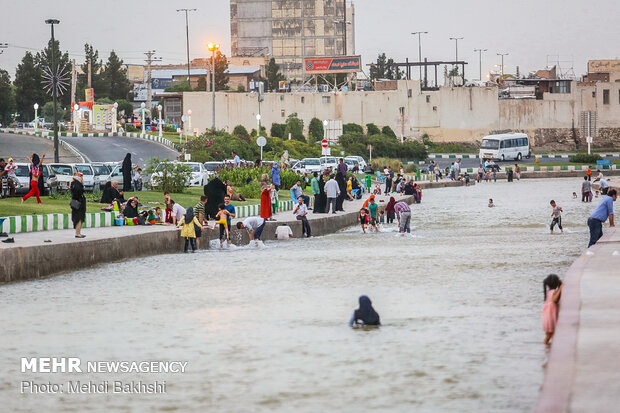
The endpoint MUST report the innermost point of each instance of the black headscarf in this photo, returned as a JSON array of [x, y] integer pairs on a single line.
[[366, 314], [126, 168], [189, 215], [130, 211], [215, 191]]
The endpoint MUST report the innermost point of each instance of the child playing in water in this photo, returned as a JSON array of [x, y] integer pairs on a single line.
[[363, 219], [221, 218], [188, 231], [574, 195], [382, 217], [372, 207], [491, 204], [557, 216], [552, 288]]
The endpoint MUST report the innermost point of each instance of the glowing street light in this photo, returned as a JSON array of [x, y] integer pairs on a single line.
[[213, 47], [114, 117], [76, 108], [36, 118], [159, 108]]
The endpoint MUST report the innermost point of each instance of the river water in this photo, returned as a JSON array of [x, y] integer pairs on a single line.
[[265, 329]]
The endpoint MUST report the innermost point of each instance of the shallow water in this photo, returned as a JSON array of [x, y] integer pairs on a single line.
[[264, 329]]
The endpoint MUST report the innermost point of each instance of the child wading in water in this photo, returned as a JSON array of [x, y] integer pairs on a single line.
[[552, 287], [363, 219], [491, 204], [222, 218], [188, 231], [557, 216]]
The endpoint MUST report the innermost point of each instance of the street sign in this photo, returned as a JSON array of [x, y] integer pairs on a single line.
[[261, 141], [326, 151], [589, 139], [324, 143]]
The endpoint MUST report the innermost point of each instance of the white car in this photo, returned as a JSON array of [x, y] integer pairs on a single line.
[[327, 161], [88, 175], [22, 174], [360, 161], [213, 167], [199, 175], [102, 174], [308, 165], [64, 174]]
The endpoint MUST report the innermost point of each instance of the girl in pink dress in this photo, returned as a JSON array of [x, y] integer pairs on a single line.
[[552, 287]]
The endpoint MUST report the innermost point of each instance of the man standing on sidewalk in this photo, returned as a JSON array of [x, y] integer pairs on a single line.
[[300, 211], [332, 190], [603, 210]]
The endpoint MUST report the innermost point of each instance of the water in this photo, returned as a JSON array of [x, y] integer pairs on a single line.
[[265, 329]]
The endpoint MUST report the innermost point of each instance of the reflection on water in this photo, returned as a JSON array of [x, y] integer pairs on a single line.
[[264, 329]]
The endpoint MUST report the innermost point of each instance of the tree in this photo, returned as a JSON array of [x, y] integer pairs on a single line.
[[273, 75], [28, 90], [202, 84], [7, 98], [43, 59], [277, 130], [352, 128], [47, 112], [114, 79], [372, 129], [382, 69], [124, 107], [180, 86], [97, 82], [388, 132], [315, 130], [295, 127], [241, 132], [221, 65]]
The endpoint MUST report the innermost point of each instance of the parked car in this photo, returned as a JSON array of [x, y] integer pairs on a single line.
[[360, 161], [199, 175], [22, 173], [88, 175], [308, 165], [212, 167], [117, 175], [327, 161], [102, 174], [64, 174]]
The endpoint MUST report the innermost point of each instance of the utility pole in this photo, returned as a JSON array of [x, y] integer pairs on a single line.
[[480, 61], [344, 26], [73, 83], [502, 55], [54, 72], [187, 36], [420, 51], [456, 41], [149, 60]]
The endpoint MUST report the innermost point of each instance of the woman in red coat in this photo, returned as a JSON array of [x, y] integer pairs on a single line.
[[265, 197]]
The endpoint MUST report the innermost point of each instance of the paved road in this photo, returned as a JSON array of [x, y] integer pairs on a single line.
[[114, 148], [20, 146]]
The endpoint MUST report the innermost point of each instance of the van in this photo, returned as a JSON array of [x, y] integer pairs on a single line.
[[505, 146]]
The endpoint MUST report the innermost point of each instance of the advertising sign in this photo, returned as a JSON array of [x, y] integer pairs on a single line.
[[342, 64], [103, 116], [604, 66], [161, 83], [90, 95]]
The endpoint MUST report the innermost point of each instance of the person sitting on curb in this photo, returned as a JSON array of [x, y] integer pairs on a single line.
[[254, 225], [283, 232], [300, 211]]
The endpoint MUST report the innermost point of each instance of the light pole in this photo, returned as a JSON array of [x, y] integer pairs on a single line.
[[456, 42], [344, 25], [187, 36], [420, 50], [184, 120], [480, 61], [36, 118], [258, 124], [76, 108], [159, 108], [502, 55], [114, 117], [52, 22], [142, 109], [213, 47], [189, 123]]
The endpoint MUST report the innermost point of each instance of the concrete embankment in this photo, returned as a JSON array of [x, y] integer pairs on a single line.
[[583, 370], [31, 257]]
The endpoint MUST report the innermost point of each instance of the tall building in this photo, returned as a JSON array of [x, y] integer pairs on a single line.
[[290, 30]]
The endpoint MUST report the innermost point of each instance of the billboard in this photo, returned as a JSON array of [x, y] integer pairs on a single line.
[[103, 116], [89, 94], [161, 83], [342, 64], [603, 66]]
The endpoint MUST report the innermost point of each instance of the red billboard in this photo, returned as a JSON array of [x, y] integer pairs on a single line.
[[340, 64]]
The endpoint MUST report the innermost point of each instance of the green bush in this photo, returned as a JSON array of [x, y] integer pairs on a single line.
[[388, 131], [130, 128], [170, 128], [240, 88], [295, 127], [277, 130], [372, 129], [411, 168], [352, 128], [251, 190], [583, 157], [241, 132], [379, 163], [174, 175], [239, 176]]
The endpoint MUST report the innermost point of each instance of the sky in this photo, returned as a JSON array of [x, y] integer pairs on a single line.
[[535, 33]]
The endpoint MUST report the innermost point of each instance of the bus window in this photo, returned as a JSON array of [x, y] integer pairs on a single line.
[[502, 144]]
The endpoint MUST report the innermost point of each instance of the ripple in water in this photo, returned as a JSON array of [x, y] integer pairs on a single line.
[[264, 329]]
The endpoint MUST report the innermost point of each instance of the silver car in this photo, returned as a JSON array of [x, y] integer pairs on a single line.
[[22, 173], [102, 174]]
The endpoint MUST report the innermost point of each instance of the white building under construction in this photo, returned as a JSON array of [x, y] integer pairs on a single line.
[[290, 30]]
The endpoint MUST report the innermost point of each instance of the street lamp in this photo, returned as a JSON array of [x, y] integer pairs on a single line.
[[76, 107], [159, 108], [456, 42], [52, 22], [258, 124], [187, 37], [142, 106], [480, 61], [213, 47], [502, 55], [420, 52], [344, 28], [189, 122], [36, 118], [114, 117]]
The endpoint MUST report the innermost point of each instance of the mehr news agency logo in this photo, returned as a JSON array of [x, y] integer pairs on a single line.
[[75, 365]]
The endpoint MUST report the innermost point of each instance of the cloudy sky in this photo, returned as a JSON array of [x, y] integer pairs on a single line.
[[533, 32]]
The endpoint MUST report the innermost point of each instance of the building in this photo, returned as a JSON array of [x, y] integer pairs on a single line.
[[289, 30]]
